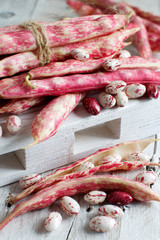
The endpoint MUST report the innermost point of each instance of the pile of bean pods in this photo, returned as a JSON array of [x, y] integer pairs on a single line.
[[79, 62]]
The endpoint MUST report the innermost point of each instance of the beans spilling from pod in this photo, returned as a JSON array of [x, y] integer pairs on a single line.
[[107, 214], [72, 179], [105, 160]]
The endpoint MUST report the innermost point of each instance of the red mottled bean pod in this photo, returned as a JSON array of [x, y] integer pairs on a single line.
[[47, 196]]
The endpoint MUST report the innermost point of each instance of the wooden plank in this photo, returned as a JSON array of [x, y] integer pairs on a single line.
[[15, 12]]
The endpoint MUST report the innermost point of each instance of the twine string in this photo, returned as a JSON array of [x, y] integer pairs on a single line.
[[44, 54]]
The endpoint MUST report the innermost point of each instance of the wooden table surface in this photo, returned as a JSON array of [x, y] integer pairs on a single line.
[[140, 220]]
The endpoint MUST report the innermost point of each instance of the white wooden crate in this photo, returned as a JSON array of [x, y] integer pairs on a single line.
[[81, 133]]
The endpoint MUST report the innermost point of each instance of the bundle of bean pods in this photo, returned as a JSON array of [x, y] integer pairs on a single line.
[[85, 53], [79, 178]]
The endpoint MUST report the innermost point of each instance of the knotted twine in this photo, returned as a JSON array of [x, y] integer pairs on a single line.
[[38, 31]]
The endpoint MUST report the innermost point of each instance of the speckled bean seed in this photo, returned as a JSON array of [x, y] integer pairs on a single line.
[[13, 124], [146, 177], [110, 159], [102, 223], [106, 100], [152, 91], [121, 99], [110, 210], [29, 180], [138, 156], [69, 205], [80, 54], [115, 87], [95, 197], [84, 166], [91, 105], [123, 54], [111, 64], [1, 131], [53, 221], [135, 90]]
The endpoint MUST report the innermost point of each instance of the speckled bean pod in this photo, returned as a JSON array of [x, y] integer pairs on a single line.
[[83, 9], [97, 47], [111, 6], [141, 39], [154, 40], [150, 16], [132, 62], [17, 106], [69, 172], [78, 83], [67, 67], [48, 120], [151, 26], [45, 197], [58, 32]]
